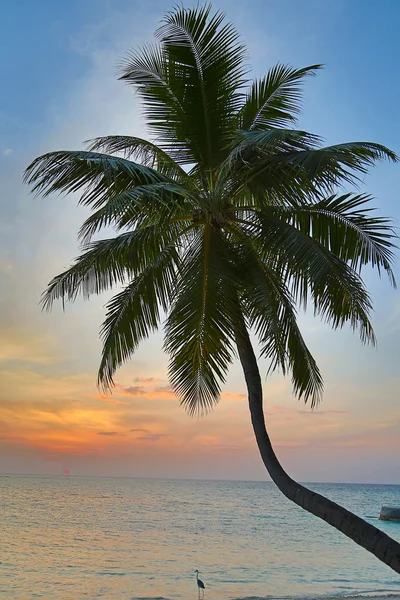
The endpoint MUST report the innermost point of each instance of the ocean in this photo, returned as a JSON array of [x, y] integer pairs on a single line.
[[69, 538]]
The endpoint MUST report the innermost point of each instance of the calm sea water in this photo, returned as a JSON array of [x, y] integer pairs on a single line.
[[71, 538]]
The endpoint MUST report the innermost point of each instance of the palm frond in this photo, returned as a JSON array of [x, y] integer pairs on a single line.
[[109, 262], [270, 311], [244, 176], [295, 175], [143, 151], [101, 175], [161, 86], [332, 165], [345, 225], [191, 83], [212, 58], [311, 270], [248, 158], [199, 332], [145, 205], [274, 100], [135, 312]]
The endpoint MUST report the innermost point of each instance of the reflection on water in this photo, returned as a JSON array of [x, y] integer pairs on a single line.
[[71, 538]]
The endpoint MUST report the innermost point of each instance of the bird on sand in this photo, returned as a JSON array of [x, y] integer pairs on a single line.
[[200, 585]]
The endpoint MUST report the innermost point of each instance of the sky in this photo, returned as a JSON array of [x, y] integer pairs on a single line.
[[58, 67]]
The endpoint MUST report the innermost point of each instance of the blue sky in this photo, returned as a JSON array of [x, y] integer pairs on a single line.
[[58, 65], [357, 41]]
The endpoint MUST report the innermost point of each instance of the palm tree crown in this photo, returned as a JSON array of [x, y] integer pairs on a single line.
[[230, 213]]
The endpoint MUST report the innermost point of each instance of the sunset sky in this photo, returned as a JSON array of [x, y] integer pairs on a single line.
[[58, 66]]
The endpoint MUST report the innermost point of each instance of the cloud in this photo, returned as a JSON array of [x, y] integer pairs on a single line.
[[148, 436], [135, 390], [233, 396], [167, 389], [107, 399], [150, 391], [146, 379], [139, 430], [8, 152], [107, 433], [152, 437]]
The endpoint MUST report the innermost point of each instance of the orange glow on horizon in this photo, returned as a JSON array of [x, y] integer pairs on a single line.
[[62, 417]]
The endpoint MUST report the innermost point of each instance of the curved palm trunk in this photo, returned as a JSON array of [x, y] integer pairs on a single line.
[[361, 532]]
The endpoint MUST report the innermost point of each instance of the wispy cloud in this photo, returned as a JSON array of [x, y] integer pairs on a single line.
[[151, 391], [135, 390], [146, 379]]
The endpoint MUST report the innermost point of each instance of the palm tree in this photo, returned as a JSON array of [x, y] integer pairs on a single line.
[[228, 222]]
